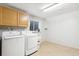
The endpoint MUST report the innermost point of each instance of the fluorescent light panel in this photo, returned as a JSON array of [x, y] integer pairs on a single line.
[[50, 6], [46, 6]]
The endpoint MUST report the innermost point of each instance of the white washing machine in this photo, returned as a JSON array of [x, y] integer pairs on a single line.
[[13, 43]]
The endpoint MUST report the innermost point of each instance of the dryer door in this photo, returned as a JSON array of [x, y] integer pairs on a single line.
[[32, 42]]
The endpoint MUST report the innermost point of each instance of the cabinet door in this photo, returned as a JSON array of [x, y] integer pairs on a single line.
[[0, 15], [9, 17], [22, 19]]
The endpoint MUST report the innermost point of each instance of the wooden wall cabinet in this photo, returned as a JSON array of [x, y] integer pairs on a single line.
[[22, 19], [0, 15], [12, 17], [9, 17]]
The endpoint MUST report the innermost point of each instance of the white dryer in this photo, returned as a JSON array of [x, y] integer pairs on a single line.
[[31, 43]]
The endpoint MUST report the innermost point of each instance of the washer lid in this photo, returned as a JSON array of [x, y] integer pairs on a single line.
[[10, 33]]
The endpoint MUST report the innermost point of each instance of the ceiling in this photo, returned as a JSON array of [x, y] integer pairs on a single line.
[[35, 9]]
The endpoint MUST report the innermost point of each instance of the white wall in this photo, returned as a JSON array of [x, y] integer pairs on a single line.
[[44, 32], [64, 29]]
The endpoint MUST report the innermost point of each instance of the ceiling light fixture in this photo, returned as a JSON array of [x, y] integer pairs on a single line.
[[50, 6]]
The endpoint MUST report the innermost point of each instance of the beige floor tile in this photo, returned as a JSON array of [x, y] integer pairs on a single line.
[[52, 49]]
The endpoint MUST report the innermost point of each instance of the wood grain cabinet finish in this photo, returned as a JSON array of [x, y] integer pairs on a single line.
[[22, 19], [0, 15], [12, 17], [9, 17]]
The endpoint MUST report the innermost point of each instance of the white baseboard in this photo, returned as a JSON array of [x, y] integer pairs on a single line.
[[68, 45]]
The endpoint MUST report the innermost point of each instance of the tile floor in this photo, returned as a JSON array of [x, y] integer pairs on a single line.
[[52, 49]]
